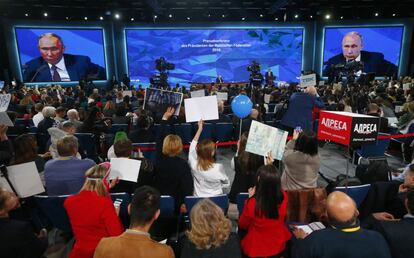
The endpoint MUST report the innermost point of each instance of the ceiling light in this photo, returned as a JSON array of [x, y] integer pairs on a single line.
[[170, 15], [311, 16], [101, 18], [188, 18], [296, 16], [328, 16], [132, 19], [155, 16], [26, 14], [276, 19], [86, 18], [393, 15], [243, 18], [261, 15], [67, 18], [45, 14], [117, 16], [376, 14], [342, 17], [223, 15]]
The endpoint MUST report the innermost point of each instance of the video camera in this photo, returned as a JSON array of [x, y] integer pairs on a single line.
[[162, 65], [254, 67], [353, 66]]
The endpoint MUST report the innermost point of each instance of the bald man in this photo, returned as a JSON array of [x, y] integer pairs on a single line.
[[352, 45], [344, 238], [54, 65]]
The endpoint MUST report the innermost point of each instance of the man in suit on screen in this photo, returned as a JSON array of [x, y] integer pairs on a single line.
[[352, 45], [55, 66]]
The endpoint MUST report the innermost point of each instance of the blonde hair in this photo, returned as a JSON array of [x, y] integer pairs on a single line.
[[205, 155], [172, 145], [94, 180], [209, 226]]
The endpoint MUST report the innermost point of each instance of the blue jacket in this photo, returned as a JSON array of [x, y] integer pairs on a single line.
[[77, 66], [299, 112], [374, 62]]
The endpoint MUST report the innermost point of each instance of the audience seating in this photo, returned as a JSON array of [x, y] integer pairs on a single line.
[[357, 193], [42, 140], [221, 200], [207, 132], [25, 122], [123, 209], [241, 199], [184, 131], [52, 208], [149, 154], [374, 151], [269, 116], [306, 205], [167, 205], [224, 131], [156, 129], [119, 127]]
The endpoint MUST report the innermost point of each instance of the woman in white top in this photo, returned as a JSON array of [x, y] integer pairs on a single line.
[[209, 177]]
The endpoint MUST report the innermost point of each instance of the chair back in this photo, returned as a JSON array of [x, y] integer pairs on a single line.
[[241, 199], [148, 149], [52, 208], [375, 150], [167, 205], [25, 122], [118, 128], [184, 131], [357, 193], [221, 200], [87, 142], [123, 209], [156, 129], [224, 131], [207, 132]]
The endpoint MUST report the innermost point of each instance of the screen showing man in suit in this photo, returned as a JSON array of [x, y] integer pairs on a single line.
[[82, 59], [377, 48]]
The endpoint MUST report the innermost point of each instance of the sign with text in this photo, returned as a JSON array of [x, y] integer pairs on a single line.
[[205, 108], [308, 80], [4, 104], [348, 128], [198, 93]]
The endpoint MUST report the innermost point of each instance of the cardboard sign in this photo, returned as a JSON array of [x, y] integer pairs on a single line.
[[24, 178], [267, 98], [4, 104], [347, 128], [157, 101], [205, 108], [263, 138], [197, 93], [308, 80]]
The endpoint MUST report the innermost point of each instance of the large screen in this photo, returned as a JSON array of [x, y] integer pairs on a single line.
[[378, 48], [59, 55], [200, 55]]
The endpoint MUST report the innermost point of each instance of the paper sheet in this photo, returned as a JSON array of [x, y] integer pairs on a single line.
[[406, 86], [267, 98], [263, 138], [127, 93], [205, 108], [125, 169], [25, 179], [198, 93], [308, 80], [222, 96]]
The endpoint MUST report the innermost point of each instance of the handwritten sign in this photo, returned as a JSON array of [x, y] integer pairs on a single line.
[[308, 80]]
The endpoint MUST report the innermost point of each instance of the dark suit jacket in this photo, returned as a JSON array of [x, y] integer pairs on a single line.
[[77, 66], [18, 240], [374, 62], [399, 236], [299, 112]]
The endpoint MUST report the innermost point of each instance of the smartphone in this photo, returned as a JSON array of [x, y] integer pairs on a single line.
[[298, 129]]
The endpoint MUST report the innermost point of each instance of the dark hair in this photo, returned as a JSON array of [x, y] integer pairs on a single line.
[[410, 199], [144, 205], [249, 162], [307, 143], [340, 107], [268, 192], [25, 149], [91, 117], [144, 122], [123, 148]]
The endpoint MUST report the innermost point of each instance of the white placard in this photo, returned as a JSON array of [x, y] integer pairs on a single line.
[[205, 108], [4, 102], [406, 86], [158, 101], [398, 109], [198, 93], [267, 98], [25, 180], [124, 168], [5, 120], [222, 96], [127, 93], [308, 80], [263, 138], [321, 83]]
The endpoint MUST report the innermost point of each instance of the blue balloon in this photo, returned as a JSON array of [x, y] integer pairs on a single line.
[[241, 106]]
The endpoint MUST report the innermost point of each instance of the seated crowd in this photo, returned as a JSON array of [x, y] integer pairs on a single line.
[[53, 124]]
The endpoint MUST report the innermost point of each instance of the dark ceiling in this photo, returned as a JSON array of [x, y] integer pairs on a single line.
[[213, 10]]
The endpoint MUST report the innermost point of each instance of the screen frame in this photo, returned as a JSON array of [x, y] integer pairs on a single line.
[[402, 59], [216, 27]]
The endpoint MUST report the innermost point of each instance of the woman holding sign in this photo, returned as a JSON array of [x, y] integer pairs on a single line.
[[209, 177]]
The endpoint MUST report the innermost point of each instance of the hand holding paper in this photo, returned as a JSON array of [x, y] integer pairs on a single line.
[[205, 108]]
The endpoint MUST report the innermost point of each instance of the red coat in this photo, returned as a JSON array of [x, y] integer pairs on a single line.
[[265, 237], [92, 217]]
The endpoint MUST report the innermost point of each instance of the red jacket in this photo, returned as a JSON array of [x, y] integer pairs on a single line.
[[265, 237], [92, 217]]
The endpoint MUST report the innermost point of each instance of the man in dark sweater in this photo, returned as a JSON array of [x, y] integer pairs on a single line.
[[399, 233], [345, 238]]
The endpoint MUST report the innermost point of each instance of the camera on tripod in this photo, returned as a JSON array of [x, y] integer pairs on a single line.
[[254, 67], [162, 65]]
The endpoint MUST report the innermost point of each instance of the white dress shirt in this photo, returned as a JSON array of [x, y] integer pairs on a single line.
[[210, 182], [37, 118], [61, 69]]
